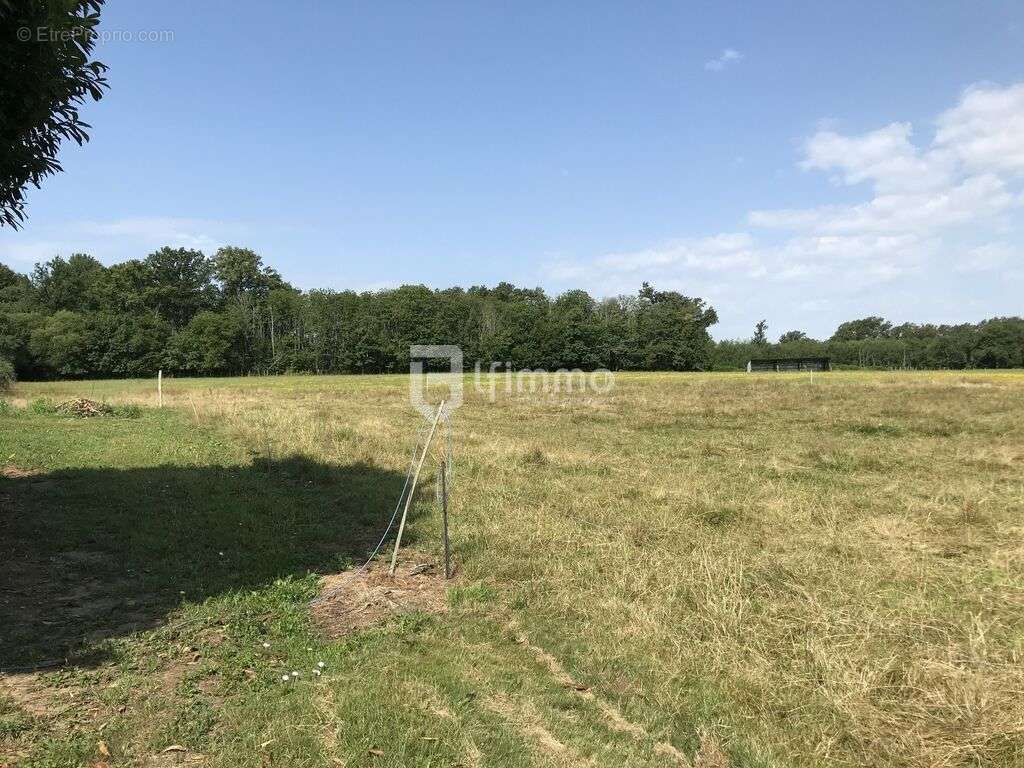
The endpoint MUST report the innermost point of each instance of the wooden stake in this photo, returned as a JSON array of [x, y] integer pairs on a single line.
[[412, 489], [444, 519], [160, 386]]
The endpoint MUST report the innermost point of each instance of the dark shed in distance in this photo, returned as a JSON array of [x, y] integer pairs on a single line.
[[789, 364]]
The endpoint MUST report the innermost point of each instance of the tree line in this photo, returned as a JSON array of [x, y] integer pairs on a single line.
[[873, 342], [229, 314], [190, 314]]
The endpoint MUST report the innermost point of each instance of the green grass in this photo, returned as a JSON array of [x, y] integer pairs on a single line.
[[764, 570]]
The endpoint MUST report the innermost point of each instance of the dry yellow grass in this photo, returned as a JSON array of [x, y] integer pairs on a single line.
[[802, 569]]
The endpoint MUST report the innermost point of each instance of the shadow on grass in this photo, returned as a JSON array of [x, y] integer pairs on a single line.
[[92, 554]]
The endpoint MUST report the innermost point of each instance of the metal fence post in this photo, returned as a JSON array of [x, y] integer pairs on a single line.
[[444, 520]]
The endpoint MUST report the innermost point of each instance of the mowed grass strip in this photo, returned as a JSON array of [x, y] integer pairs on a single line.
[[768, 570]]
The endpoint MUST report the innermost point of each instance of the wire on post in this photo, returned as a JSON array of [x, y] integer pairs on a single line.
[[412, 488]]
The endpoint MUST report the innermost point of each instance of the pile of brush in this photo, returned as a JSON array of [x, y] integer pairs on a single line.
[[84, 408]]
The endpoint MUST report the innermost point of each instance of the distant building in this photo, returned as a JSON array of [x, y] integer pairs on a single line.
[[789, 364]]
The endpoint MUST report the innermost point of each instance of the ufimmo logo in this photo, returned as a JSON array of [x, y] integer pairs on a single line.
[[420, 381], [501, 377]]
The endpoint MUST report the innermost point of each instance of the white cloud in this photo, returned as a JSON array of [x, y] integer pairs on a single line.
[[988, 257], [22, 255], [885, 157], [733, 251], [922, 197], [728, 56], [972, 200], [179, 233], [985, 131], [564, 271], [114, 240], [965, 176]]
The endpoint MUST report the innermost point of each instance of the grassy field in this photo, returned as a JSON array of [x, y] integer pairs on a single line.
[[716, 570]]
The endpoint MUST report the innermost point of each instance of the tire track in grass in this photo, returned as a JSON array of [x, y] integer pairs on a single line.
[[524, 717], [430, 699], [614, 718]]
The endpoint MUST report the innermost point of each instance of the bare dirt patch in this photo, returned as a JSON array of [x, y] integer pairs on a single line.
[[33, 695], [26, 691], [12, 472], [355, 600]]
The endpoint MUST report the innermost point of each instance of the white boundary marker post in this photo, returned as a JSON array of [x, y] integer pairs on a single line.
[[160, 386], [412, 488]]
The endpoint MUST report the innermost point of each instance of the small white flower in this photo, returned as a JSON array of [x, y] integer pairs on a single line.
[[284, 678], [266, 645], [321, 664], [295, 674], [317, 672]]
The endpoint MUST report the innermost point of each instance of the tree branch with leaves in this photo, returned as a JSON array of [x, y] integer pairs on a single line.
[[46, 74]]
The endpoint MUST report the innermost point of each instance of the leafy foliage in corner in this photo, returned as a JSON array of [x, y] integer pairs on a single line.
[[45, 75]]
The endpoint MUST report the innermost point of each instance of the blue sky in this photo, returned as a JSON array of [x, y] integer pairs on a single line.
[[802, 162]]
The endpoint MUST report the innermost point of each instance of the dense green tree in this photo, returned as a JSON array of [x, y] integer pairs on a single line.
[[574, 336], [67, 283], [246, 286], [208, 344], [60, 345], [1000, 344], [123, 288], [241, 272], [15, 330], [284, 311], [618, 329], [790, 336], [178, 284], [946, 351], [43, 81], [8, 277], [523, 330], [129, 346], [865, 328], [15, 289], [672, 331]]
